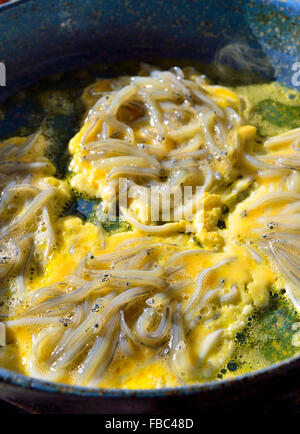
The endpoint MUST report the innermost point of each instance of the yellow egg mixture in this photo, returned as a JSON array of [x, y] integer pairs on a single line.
[[158, 300]]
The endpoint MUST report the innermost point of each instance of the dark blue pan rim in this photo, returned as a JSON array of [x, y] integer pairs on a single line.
[[14, 379]]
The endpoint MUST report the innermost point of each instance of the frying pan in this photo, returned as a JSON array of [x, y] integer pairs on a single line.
[[260, 38]]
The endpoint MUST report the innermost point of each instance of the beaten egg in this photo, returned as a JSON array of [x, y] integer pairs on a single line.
[[143, 264]]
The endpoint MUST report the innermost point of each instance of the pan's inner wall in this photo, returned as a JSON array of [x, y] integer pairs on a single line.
[[39, 38]]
